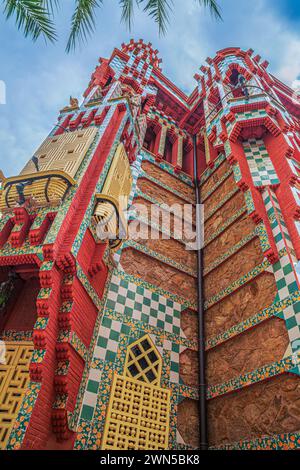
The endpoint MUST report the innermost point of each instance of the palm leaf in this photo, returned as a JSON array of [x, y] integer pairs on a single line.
[[51, 5], [31, 17], [127, 7], [83, 21], [213, 6], [159, 10]]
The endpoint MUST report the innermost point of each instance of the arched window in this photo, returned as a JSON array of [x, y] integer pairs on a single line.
[[149, 141], [168, 149], [238, 82]]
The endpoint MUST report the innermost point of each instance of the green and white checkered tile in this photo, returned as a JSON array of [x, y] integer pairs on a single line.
[[295, 167], [89, 401], [279, 213], [175, 351], [143, 305], [279, 228], [284, 272], [158, 345], [108, 340], [292, 318], [286, 280], [286, 276], [261, 167]]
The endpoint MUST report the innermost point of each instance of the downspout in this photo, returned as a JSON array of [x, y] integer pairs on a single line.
[[200, 308]]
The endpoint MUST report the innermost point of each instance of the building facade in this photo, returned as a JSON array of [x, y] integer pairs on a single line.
[[100, 337]]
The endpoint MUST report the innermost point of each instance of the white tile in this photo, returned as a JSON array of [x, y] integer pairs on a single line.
[[90, 399], [99, 352], [95, 375]]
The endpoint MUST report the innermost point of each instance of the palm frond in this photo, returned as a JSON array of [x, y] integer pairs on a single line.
[[31, 17], [213, 7], [83, 21], [159, 10], [127, 7], [51, 5]]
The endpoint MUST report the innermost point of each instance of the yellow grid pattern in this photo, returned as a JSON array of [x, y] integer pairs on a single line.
[[138, 413], [14, 379], [137, 416]]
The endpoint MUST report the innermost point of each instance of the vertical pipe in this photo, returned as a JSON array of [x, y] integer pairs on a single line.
[[200, 306]]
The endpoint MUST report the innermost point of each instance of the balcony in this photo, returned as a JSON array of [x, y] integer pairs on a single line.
[[110, 205], [45, 187], [109, 221]]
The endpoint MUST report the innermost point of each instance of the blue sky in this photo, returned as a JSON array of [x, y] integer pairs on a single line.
[[40, 78]]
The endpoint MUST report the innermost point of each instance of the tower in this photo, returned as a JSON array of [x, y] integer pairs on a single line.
[[100, 335]]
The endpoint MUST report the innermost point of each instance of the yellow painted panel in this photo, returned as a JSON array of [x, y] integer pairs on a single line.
[[119, 178], [14, 380], [52, 185], [137, 416], [116, 190], [64, 152]]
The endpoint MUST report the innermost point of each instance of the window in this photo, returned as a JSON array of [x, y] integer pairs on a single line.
[[143, 361], [238, 81]]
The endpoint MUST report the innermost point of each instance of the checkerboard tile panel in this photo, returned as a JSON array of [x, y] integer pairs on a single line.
[[175, 351], [292, 317], [278, 225], [261, 167], [286, 277], [281, 220], [144, 305], [108, 340], [91, 394], [283, 270], [147, 307]]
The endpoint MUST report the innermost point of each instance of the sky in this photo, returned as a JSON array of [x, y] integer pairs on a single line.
[[39, 77]]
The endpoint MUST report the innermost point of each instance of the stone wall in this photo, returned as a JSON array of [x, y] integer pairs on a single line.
[[255, 348], [168, 179], [233, 250], [189, 324], [234, 268], [147, 267], [215, 177], [171, 248], [189, 367], [241, 305], [158, 193], [227, 239], [188, 422], [216, 197], [159, 274], [220, 217], [267, 408]]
